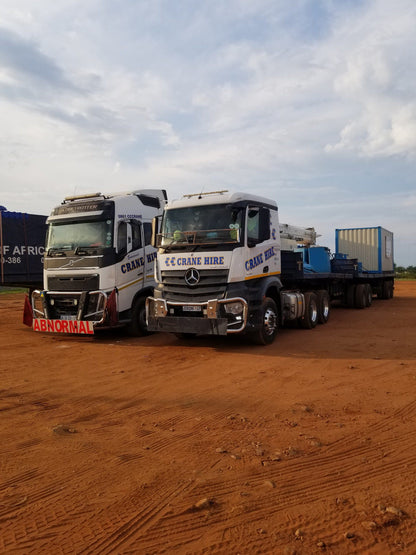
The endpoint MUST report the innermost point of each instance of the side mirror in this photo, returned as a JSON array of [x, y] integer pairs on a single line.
[[155, 232]]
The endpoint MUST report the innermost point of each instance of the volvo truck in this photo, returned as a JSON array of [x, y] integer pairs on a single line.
[[98, 263]]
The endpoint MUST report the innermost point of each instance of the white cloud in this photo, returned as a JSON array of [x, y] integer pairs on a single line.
[[309, 103], [376, 77]]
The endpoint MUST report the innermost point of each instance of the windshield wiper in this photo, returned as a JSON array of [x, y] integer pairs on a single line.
[[54, 251], [85, 251], [81, 251]]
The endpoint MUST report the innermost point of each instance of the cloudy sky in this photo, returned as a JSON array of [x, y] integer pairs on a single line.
[[309, 102]]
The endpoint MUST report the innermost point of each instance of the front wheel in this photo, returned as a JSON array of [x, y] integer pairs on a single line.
[[269, 323], [137, 325]]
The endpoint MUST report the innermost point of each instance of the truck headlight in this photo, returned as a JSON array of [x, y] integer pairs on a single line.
[[236, 308], [160, 309]]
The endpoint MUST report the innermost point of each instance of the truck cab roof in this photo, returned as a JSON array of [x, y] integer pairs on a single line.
[[220, 197]]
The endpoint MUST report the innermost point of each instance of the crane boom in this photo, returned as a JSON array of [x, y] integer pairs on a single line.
[[294, 235]]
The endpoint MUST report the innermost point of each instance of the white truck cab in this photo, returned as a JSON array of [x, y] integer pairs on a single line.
[[218, 255], [99, 262]]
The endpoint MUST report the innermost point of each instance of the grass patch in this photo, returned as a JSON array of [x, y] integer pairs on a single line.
[[4, 290]]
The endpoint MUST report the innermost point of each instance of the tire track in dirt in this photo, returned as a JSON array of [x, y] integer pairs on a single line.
[[137, 522], [336, 469], [383, 425], [26, 526], [322, 476], [319, 490], [19, 478], [154, 516], [153, 512], [130, 526]]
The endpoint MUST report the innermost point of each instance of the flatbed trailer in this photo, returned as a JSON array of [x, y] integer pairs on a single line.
[[341, 283]]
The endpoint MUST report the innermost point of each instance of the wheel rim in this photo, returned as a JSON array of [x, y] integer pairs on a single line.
[[325, 309], [270, 322], [314, 312]]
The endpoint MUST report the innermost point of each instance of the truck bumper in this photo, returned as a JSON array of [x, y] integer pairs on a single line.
[[213, 317], [198, 326], [76, 312]]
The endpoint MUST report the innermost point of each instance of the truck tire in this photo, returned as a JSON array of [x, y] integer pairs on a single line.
[[324, 306], [350, 296], [368, 294], [269, 323], [310, 318], [137, 326], [360, 296], [387, 290]]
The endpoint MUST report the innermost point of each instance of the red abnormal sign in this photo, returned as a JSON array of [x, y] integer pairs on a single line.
[[63, 326]]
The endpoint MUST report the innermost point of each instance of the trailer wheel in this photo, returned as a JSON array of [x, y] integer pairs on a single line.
[[350, 296], [269, 323], [324, 306], [387, 290], [137, 326], [368, 294], [360, 296], [310, 318]]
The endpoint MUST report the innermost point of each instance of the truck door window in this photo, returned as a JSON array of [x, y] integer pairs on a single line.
[[264, 222], [122, 237], [136, 231], [147, 227], [253, 226], [258, 225]]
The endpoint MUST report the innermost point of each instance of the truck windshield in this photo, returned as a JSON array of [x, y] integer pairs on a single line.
[[201, 225], [72, 235]]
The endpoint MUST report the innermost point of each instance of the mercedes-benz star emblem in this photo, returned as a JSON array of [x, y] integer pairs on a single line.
[[192, 276]]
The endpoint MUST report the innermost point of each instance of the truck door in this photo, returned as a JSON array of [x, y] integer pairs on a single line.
[[131, 266], [260, 258], [150, 254]]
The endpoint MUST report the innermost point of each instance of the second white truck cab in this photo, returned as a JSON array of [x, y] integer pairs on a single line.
[[218, 254]]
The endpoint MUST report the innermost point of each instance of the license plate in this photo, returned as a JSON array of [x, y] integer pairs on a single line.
[[68, 317], [191, 308]]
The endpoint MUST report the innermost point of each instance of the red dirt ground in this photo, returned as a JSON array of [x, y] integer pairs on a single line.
[[156, 445]]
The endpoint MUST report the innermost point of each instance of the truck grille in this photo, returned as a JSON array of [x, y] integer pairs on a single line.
[[63, 306], [74, 283], [82, 306], [212, 285]]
